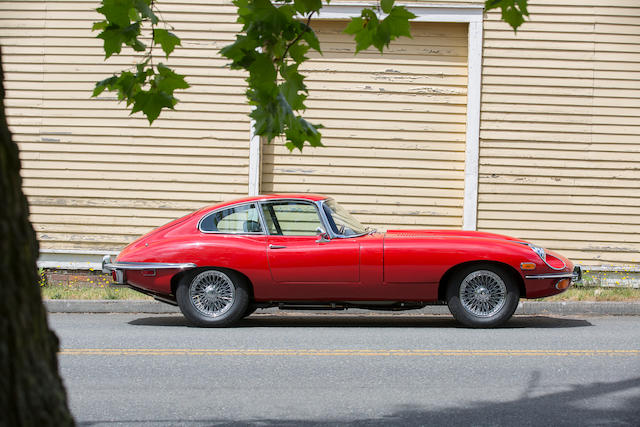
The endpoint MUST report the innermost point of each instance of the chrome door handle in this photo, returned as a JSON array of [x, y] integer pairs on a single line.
[[276, 247]]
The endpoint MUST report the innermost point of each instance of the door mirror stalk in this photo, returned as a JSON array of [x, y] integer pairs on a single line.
[[324, 236]]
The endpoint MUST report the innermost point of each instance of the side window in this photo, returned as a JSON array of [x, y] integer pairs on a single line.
[[291, 218], [238, 219]]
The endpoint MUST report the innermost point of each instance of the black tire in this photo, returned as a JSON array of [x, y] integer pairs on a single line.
[[213, 297], [251, 308], [482, 296]]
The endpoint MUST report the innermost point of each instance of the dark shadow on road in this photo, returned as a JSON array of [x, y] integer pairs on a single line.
[[570, 407], [322, 320]]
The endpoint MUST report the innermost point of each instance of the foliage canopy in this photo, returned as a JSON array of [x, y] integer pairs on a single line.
[[271, 47]]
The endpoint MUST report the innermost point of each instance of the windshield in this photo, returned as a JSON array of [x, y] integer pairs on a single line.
[[341, 221]]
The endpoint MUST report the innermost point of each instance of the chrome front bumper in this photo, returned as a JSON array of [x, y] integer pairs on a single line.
[[575, 276]]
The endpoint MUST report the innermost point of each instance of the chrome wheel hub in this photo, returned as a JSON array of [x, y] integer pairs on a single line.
[[212, 293], [483, 293]]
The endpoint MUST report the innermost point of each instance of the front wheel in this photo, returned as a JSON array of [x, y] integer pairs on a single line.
[[482, 296], [213, 298]]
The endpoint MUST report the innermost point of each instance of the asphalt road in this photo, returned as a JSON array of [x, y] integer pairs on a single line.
[[153, 370]]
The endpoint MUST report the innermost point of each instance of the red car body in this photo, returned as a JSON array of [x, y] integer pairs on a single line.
[[396, 269]]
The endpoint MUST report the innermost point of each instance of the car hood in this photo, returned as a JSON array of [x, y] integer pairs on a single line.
[[409, 234]]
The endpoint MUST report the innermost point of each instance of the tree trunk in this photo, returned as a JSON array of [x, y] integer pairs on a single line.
[[31, 390]]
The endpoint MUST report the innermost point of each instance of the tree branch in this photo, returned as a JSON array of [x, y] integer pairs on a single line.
[[296, 40]]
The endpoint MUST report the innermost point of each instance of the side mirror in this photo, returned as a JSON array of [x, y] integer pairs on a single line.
[[324, 236]]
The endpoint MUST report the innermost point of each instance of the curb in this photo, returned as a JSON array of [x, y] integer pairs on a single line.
[[604, 308]]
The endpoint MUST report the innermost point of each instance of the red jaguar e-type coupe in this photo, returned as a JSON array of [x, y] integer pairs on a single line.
[[221, 263]]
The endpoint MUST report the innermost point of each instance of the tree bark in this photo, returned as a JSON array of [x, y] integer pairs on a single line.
[[31, 390]]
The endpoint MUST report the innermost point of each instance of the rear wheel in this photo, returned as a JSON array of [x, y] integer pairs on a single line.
[[213, 298], [251, 308], [482, 296]]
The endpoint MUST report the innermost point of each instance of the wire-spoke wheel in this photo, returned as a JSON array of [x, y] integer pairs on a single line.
[[212, 293], [482, 296], [483, 293], [212, 297]]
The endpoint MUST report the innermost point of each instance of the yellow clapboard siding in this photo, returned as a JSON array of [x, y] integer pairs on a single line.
[[592, 208], [529, 188], [403, 163], [85, 160], [157, 177], [601, 222], [559, 122], [373, 191], [533, 231], [106, 160], [156, 206], [95, 213], [136, 129], [125, 186], [491, 169], [550, 183], [52, 166], [316, 179], [560, 201], [280, 171], [186, 194], [75, 240], [102, 222], [601, 230]]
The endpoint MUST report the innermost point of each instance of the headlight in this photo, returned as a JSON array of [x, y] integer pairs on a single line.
[[540, 251]]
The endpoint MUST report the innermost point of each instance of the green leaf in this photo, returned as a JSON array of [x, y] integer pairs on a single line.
[[151, 103], [306, 6], [293, 89], [116, 11], [137, 45], [99, 25], [166, 39], [513, 17], [262, 73], [300, 131], [386, 5], [513, 11], [104, 84], [312, 40], [398, 21], [128, 86], [266, 123], [143, 7], [355, 25], [298, 52], [168, 81], [113, 40], [382, 36]]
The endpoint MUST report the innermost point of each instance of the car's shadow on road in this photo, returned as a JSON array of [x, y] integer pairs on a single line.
[[535, 407], [365, 321]]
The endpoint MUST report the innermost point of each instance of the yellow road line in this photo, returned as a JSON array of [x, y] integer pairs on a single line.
[[334, 352]]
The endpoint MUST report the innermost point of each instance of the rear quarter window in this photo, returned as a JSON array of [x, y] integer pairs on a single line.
[[236, 219]]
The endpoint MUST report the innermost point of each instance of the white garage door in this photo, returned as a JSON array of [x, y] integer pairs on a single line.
[[394, 129]]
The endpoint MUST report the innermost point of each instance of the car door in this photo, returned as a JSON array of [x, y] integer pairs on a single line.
[[298, 255]]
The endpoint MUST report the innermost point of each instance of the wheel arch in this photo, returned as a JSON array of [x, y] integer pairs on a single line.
[[444, 280], [175, 280]]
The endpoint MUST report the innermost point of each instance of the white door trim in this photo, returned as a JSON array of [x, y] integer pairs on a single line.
[[472, 15]]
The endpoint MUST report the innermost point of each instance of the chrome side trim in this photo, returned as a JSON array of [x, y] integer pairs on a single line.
[[147, 266], [550, 276]]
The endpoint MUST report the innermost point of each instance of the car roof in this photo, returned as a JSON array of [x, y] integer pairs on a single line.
[[300, 196]]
